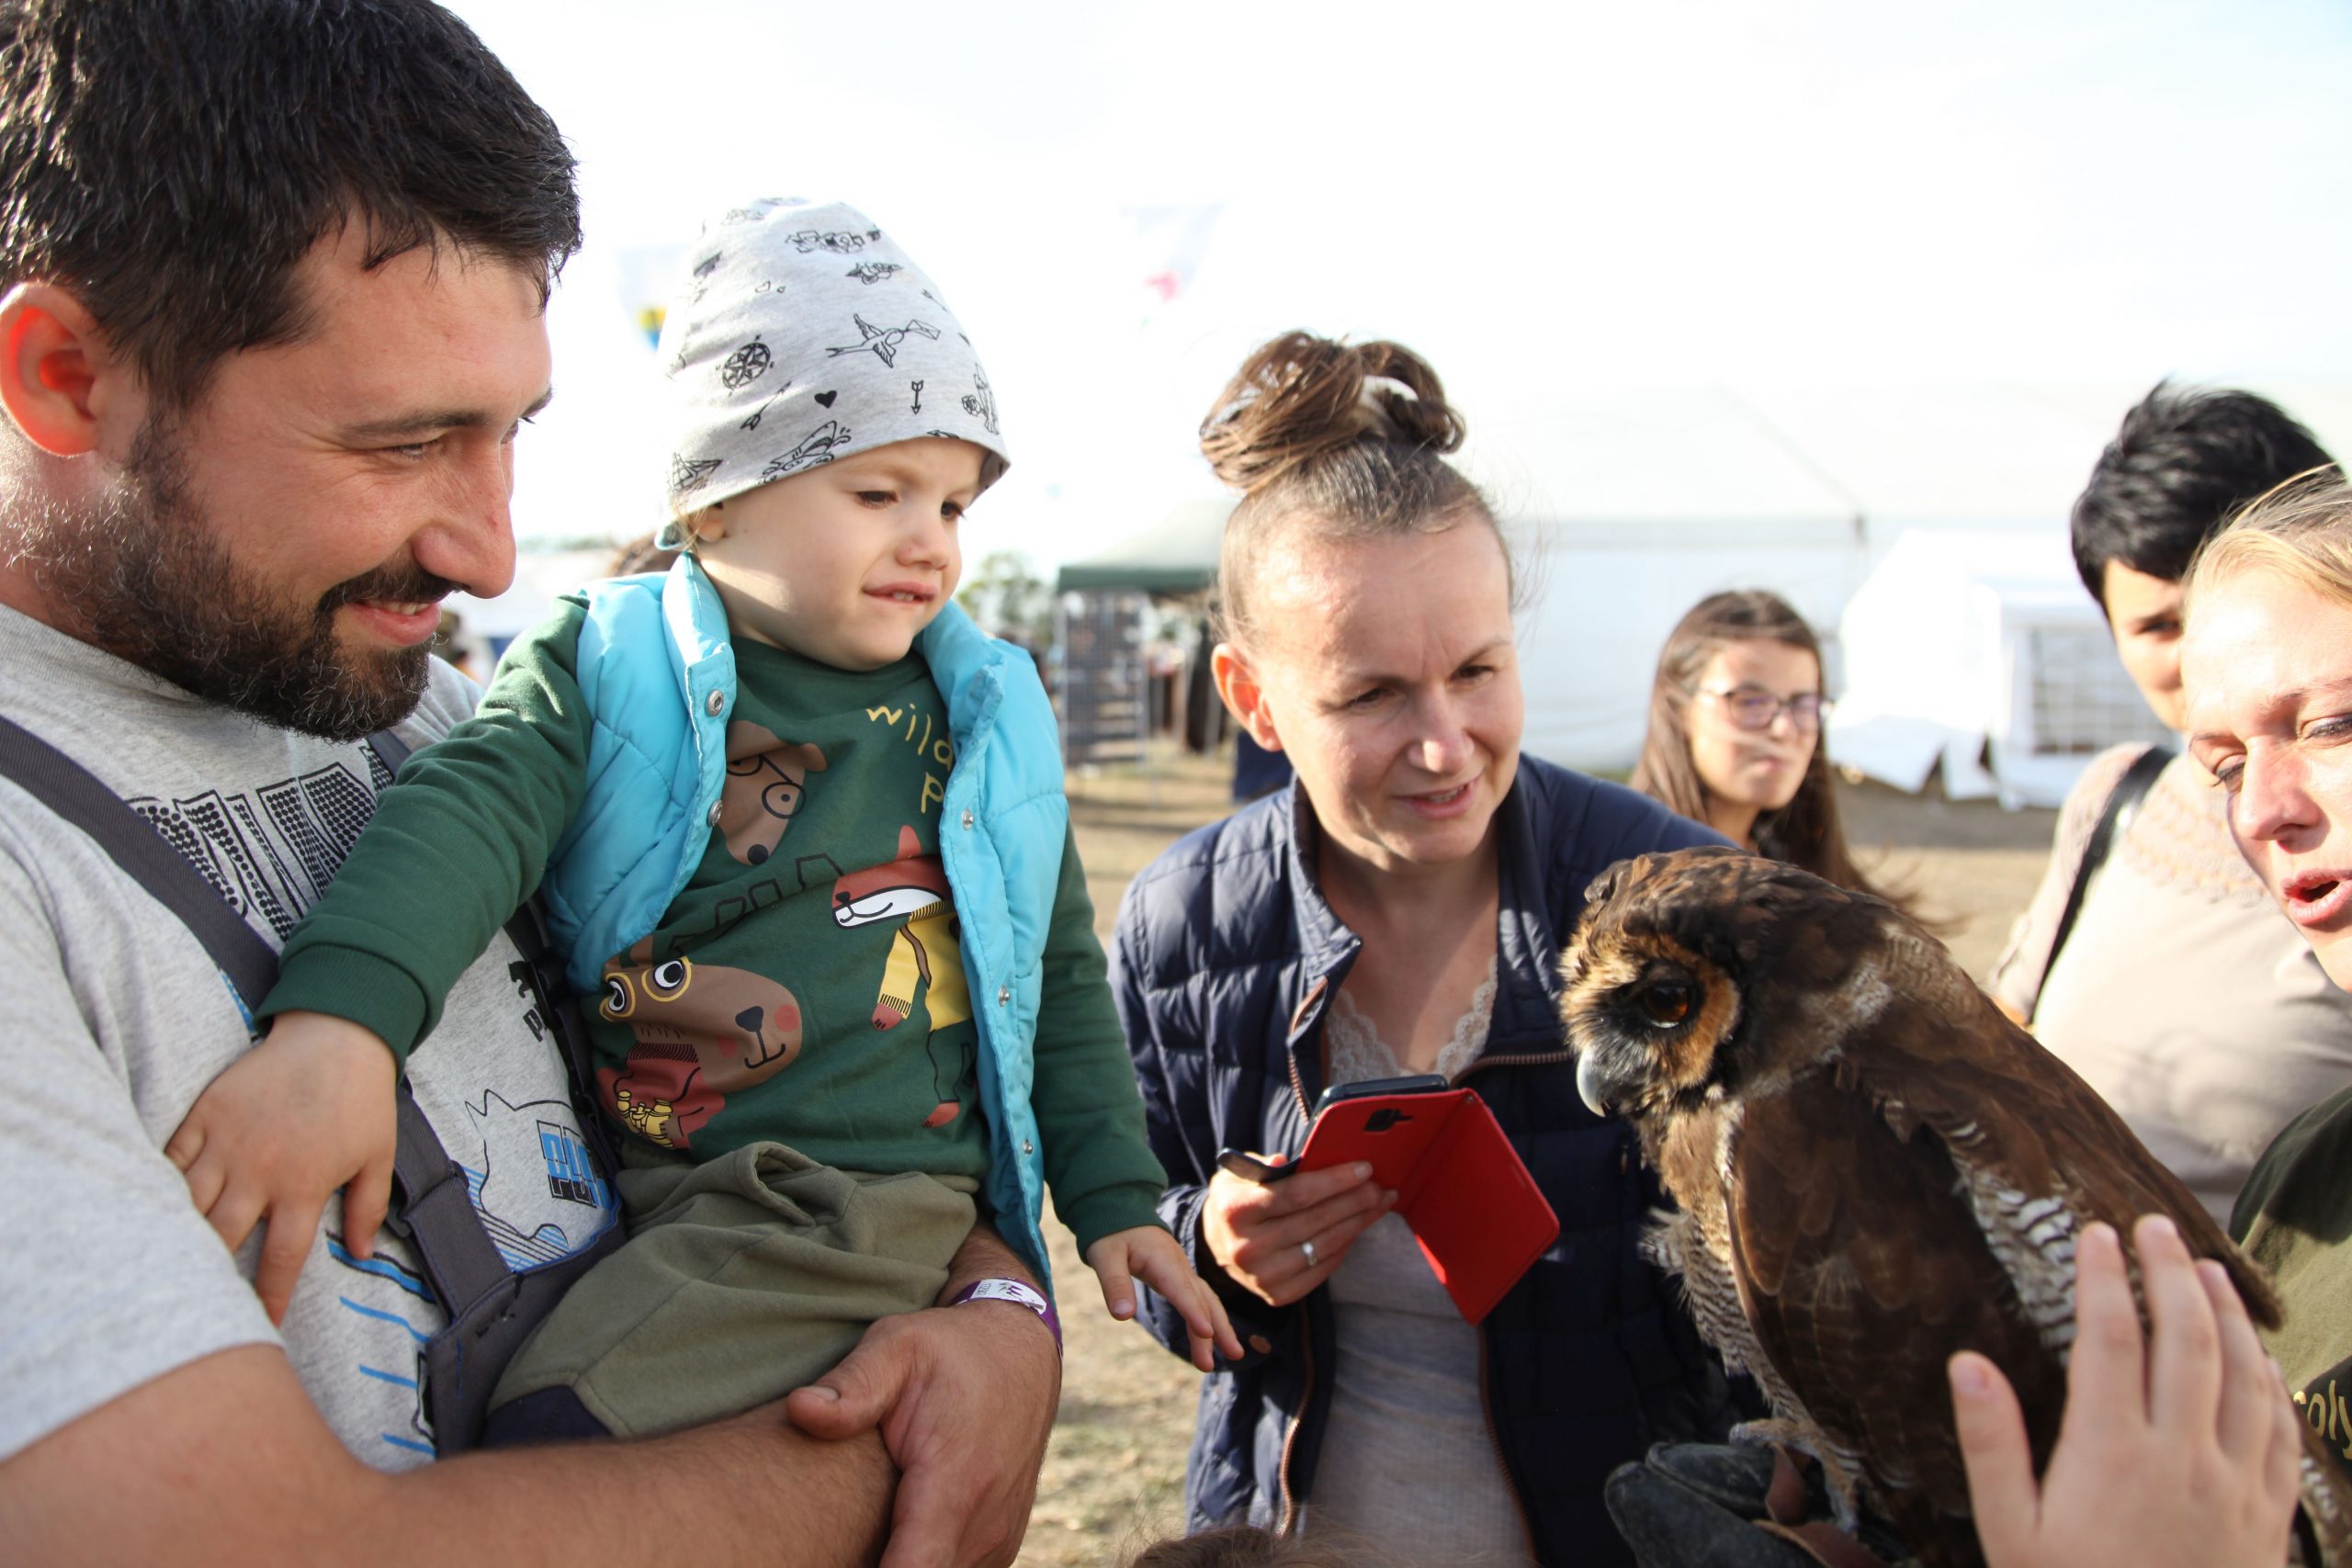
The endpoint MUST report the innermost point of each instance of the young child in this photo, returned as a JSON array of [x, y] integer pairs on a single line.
[[799, 825]]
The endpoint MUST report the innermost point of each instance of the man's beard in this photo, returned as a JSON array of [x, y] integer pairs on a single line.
[[141, 574]]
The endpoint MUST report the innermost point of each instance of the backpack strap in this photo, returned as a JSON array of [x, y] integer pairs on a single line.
[[2122, 804]]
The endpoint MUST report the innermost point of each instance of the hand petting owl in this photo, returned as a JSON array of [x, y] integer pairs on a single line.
[[1875, 1170]]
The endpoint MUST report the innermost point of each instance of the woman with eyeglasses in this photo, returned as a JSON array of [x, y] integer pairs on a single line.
[[1735, 738]]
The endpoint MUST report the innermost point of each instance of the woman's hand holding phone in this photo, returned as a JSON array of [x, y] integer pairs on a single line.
[[1280, 1239], [1479, 1215]]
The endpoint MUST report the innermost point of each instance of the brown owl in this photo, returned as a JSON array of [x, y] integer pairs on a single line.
[[1874, 1167]]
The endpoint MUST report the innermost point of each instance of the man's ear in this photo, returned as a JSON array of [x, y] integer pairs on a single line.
[[58, 378], [1237, 683]]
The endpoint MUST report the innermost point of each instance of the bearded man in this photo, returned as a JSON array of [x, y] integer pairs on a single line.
[[272, 283]]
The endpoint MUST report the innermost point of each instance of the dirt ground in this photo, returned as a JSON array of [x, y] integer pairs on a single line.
[[1114, 1475]]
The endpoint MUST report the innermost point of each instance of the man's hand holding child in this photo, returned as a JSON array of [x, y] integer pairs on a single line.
[[1150, 1254], [307, 1111]]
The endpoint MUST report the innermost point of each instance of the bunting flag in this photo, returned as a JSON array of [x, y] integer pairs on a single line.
[[1170, 243], [648, 276]]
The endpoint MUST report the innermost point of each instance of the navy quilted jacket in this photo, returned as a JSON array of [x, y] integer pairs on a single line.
[[1225, 959]]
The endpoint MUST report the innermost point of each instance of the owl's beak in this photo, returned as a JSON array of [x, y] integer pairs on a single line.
[[1594, 1085]]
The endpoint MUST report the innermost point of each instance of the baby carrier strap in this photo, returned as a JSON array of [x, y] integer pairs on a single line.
[[538, 969], [67, 788], [491, 1308]]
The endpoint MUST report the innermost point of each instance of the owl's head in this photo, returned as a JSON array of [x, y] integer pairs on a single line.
[[1708, 973]]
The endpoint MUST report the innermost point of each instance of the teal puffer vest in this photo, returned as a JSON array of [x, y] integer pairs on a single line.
[[658, 674]]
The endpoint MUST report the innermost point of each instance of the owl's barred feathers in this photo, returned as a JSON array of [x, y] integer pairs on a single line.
[[1875, 1167]]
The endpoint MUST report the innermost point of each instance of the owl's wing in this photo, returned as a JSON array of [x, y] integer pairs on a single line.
[[2037, 1153], [2042, 1153], [1860, 1271]]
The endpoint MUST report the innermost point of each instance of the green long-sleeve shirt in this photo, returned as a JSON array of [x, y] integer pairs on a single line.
[[806, 987]]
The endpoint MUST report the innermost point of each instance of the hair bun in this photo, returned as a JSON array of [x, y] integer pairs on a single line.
[[1301, 397]]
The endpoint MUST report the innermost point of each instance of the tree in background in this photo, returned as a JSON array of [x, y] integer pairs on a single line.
[[1007, 599]]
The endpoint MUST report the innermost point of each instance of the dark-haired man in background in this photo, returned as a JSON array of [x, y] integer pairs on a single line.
[[274, 276], [2180, 993]]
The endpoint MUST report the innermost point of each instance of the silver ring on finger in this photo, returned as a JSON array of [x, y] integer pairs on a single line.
[[1308, 1247]]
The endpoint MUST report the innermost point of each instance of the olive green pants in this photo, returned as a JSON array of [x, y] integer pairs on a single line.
[[743, 1277]]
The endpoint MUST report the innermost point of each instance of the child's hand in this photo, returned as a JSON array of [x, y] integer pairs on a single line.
[[1150, 1254], [307, 1110]]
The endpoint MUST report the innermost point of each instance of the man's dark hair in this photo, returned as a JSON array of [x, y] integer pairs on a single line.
[[172, 162], [2183, 462]]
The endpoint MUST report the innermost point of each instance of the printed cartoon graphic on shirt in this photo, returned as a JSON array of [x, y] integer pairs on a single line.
[[389, 1291], [705, 1031], [270, 849], [766, 781], [921, 731], [508, 1192], [270, 852], [511, 1193], [702, 1031], [927, 952]]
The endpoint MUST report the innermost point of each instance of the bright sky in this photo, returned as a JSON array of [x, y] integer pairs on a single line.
[[1681, 192]]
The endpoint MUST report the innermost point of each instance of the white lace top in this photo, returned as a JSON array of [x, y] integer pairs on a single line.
[[1355, 1054], [1407, 1460]]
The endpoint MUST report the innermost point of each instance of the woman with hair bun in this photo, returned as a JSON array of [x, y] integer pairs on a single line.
[[1737, 712], [1398, 910]]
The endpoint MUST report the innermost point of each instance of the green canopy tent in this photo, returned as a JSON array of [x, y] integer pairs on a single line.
[[1176, 555], [1105, 706]]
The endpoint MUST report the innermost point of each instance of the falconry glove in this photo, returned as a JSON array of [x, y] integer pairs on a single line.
[[1737, 1505]]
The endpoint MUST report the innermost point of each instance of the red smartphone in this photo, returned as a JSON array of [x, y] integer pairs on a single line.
[[1479, 1215], [1249, 1168]]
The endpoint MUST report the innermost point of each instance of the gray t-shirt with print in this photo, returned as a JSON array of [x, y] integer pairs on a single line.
[[118, 1020]]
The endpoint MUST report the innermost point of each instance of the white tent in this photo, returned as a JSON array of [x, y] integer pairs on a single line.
[[1977, 650], [1973, 643], [1628, 507], [1624, 507]]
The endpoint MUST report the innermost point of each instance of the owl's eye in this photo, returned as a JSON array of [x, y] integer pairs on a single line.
[[1666, 1003]]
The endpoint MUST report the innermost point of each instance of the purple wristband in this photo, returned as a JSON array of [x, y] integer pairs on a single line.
[[1019, 1294]]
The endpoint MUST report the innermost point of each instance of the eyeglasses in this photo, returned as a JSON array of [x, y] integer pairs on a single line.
[[1753, 707]]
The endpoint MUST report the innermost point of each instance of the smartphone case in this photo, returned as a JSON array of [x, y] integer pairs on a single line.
[[1479, 1215]]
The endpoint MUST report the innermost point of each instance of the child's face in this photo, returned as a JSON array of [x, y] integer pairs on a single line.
[[845, 562]]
